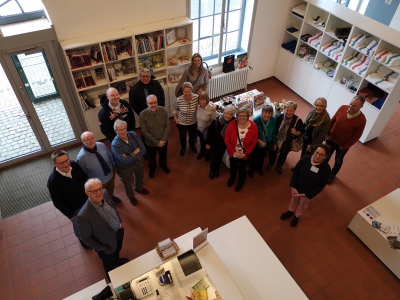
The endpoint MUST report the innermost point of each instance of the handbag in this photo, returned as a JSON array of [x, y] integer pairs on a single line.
[[229, 64], [297, 141]]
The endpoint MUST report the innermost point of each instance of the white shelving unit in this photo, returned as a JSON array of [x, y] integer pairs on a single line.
[[303, 77], [176, 57]]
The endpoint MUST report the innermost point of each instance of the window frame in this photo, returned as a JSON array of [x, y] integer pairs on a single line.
[[223, 33], [24, 16]]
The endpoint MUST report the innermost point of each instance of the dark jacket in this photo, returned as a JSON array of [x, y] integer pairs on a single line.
[[287, 144], [308, 182], [68, 195], [107, 118], [94, 230], [137, 97], [214, 137], [319, 132]]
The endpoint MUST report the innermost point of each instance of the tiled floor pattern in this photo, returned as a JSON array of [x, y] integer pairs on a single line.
[[40, 257]]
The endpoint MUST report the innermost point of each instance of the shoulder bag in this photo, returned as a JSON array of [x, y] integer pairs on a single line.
[[297, 141]]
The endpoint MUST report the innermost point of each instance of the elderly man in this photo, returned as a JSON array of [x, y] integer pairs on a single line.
[[128, 150], [347, 126], [66, 187], [113, 108], [155, 126], [95, 159], [100, 225]]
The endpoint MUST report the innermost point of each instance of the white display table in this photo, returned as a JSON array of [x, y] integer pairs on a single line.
[[89, 292], [374, 239], [237, 260]]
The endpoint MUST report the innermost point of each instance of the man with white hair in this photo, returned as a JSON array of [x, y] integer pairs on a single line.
[[95, 159], [100, 225]]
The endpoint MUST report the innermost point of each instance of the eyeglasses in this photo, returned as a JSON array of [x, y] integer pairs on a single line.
[[65, 162], [121, 130], [96, 190], [151, 103], [319, 153], [145, 76]]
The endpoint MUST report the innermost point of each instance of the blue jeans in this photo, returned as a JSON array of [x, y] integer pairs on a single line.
[[338, 157]]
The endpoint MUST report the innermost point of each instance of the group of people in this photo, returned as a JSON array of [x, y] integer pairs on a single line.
[[83, 190]]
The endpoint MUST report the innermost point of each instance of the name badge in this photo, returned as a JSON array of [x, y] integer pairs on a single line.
[[314, 169]]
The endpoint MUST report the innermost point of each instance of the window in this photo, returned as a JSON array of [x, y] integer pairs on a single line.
[[218, 26], [12, 11]]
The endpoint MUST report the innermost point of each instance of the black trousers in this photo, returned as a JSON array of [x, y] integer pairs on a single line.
[[110, 260], [257, 159], [216, 152], [281, 159], [339, 156], [162, 156], [183, 129], [238, 166], [202, 141]]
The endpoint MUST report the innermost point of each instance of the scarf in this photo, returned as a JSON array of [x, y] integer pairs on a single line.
[[149, 87], [104, 166], [281, 136], [349, 116], [224, 124], [315, 120]]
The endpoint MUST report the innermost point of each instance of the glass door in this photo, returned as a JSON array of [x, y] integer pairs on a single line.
[[37, 118]]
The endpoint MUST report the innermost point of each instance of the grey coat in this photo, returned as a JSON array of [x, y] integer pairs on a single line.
[[94, 230]]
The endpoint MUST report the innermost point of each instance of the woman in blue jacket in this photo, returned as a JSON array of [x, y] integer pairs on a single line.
[[266, 139]]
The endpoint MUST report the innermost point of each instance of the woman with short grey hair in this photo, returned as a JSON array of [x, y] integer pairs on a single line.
[[288, 126]]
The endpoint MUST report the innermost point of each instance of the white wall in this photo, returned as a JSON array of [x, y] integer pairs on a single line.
[[395, 23], [79, 18]]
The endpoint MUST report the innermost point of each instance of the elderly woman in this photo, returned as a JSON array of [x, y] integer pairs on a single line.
[[196, 74], [266, 139], [316, 126], [288, 125], [215, 143], [205, 115], [240, 138], [184, 111], [309, 178]]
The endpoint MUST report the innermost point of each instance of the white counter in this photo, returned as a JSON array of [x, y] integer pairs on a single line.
[[374, 239]]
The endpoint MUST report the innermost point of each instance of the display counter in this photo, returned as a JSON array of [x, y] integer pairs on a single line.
[[386, 211], [238, 264]]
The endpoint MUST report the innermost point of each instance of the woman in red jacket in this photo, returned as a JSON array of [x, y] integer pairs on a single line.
[[240, 138]]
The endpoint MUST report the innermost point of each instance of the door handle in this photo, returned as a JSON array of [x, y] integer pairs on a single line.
[[22, 92]]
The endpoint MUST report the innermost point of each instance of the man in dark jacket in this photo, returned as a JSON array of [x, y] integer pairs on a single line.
[[114, 108], [144, 87], [66, 187]]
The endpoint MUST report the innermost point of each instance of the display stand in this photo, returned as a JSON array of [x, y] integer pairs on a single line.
[[374, 239], [305, 76]]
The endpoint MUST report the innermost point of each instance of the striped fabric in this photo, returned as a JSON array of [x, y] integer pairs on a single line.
[[186, 111]]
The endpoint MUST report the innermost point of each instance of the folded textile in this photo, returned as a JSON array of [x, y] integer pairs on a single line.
[[299, 10], [370, 49], [292, 29], [380, 81]]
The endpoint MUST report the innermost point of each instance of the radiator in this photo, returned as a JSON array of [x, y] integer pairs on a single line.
[[226, 83]]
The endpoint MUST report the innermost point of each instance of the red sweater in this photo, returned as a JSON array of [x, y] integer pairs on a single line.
[[346, 132], [249, 142]]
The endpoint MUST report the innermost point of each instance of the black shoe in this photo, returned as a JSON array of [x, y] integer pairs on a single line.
[[251, 174], [182, 152], [151, 173], [208, 156], [269, 167], [212, 174], [331, 179], [84, 245], [287, 215], [165, 169], [280, 170], [133, 201], [239, 187], [121, 261], [194, 149], [116, 199], [143, 191], [200, 155], [292, 168], [260, 172], [216, 174], [230, 182], [294, 222]]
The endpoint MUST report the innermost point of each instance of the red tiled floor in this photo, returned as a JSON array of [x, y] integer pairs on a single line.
[[41, 256]]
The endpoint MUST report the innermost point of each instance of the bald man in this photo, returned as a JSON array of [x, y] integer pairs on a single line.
[[113, 108]]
